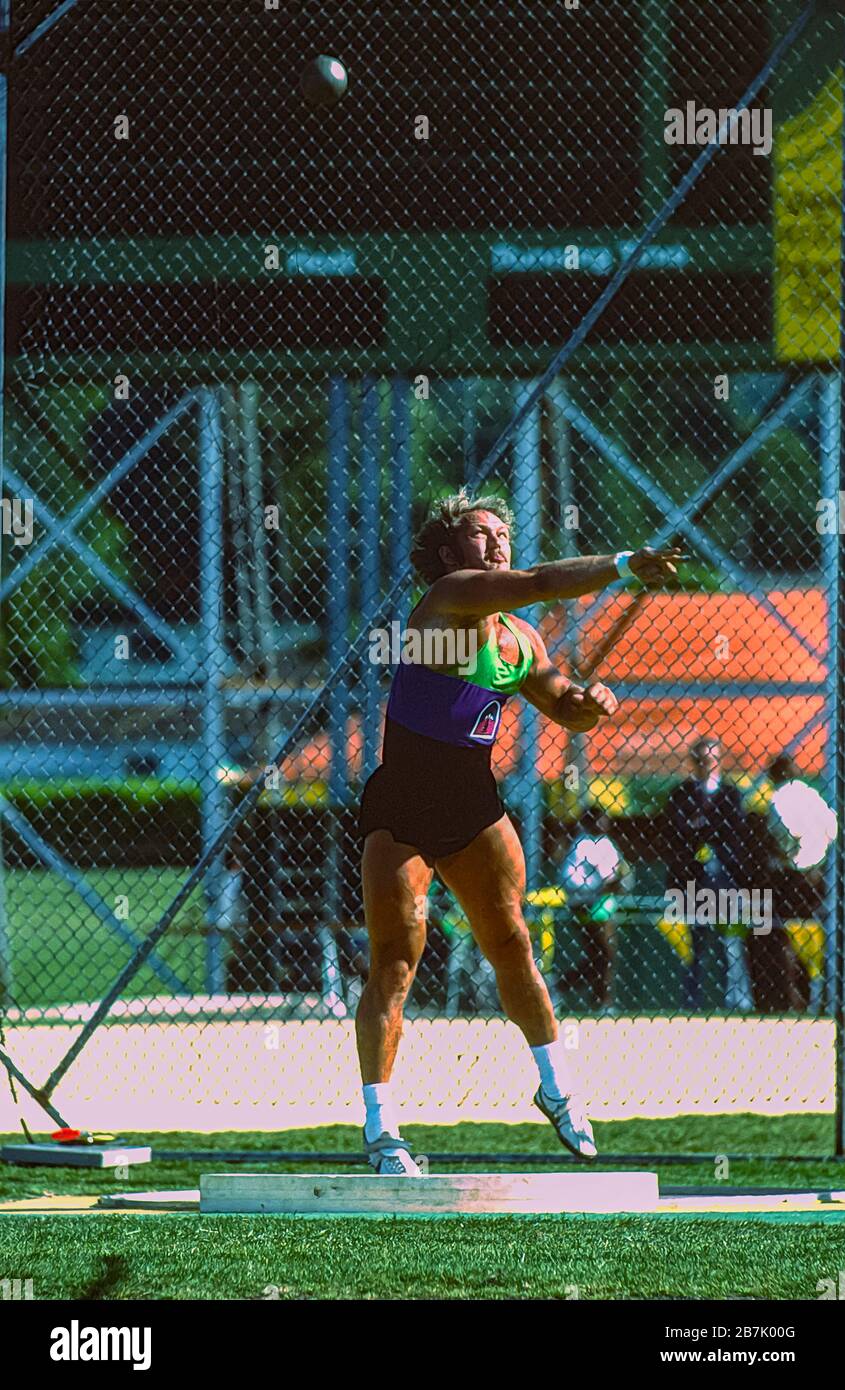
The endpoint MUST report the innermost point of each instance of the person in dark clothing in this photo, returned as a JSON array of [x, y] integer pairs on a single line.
[[703, 835]]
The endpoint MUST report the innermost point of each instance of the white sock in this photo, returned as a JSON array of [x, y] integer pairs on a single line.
[[553, 1066], [381, 1115]]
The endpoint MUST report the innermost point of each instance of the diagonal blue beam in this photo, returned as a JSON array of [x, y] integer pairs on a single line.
[[89, 895], [97, 493], [65, 535], [44, 27], [655, 494], [767, 427]]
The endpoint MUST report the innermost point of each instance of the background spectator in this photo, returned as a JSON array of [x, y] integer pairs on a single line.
[[704, 832]]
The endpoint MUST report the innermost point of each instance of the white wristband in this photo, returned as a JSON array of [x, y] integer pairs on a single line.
[[623, 567]]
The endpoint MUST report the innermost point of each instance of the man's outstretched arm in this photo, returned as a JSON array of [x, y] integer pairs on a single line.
[[476, 593]]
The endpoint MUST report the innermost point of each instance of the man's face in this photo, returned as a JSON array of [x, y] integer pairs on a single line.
[[483, 543], [706, 760]]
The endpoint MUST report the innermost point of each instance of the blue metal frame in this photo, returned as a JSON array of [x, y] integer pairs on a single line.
[[708, 547], [62, 531], [528, 502], [214, 807], [44, 27], [369, 557], [399, 538], [829, 445], [338, 610], [679, 193], [337, 579]]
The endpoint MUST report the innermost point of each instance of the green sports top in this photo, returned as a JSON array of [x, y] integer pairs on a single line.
[[491, 670], [453, 705]]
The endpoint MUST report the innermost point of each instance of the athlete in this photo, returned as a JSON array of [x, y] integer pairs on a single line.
[[433, 803]]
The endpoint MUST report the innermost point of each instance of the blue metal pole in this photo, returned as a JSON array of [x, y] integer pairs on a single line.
[[337, 579], [213, 710], [399, 529], [528, 502], [6, 984], [829, 427], [337, 635], [45, 25], [69, 524], [468, 397], [370, 558]]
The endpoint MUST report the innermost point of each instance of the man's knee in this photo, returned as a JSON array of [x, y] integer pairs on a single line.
[[392, 977], [509, 948]]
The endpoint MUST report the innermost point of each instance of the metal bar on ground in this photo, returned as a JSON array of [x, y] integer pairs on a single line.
[[41, 1096]]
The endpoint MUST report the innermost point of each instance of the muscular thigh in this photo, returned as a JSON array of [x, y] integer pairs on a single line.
[[488, 880], [395, 880]]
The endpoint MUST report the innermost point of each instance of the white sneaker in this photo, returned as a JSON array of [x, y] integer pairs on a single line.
[[390, 1156], [569, 1122]]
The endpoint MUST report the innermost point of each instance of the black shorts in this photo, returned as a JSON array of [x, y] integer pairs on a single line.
[[437, 799]]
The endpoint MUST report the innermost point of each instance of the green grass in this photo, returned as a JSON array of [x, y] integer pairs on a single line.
[[61, 950], [186, 1256], [228, 1257]]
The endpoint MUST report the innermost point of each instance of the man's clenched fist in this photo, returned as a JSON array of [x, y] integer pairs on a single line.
[[582, 709]]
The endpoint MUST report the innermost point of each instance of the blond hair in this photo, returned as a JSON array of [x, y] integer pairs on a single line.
[[443, 524]]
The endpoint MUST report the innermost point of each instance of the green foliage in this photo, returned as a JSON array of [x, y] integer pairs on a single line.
[[152, 820], [38, 647]]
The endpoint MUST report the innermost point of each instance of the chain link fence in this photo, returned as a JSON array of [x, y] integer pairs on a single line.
[[249, 344]]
